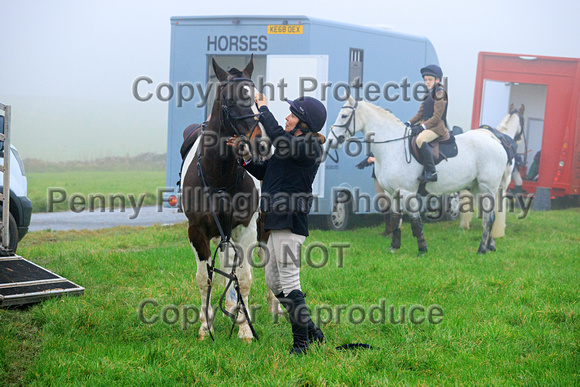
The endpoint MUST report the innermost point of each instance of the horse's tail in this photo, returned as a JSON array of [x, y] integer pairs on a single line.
[[498, 229]]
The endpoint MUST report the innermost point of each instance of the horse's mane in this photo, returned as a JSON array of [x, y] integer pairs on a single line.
[[384, 111]]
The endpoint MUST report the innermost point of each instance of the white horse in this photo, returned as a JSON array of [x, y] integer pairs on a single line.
[[512, 125], [480, 166]]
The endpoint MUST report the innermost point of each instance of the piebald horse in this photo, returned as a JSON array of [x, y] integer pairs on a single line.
[[480, 166], [219, 199]]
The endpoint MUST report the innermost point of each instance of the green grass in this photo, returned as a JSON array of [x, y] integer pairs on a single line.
[[510, 317], [91, 183]]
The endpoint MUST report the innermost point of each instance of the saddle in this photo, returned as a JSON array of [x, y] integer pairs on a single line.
[[190, 134], [508, 143], [442, 148]]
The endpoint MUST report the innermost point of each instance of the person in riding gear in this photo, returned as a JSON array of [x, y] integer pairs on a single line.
[[286, 199], [430, 122]]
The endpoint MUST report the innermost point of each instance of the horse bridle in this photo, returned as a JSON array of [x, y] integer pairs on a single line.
[[233, 120], [346, 125], [521, 117], [352, 119]]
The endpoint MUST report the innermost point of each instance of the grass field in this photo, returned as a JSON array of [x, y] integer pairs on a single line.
[[509, 318], [86, 183]]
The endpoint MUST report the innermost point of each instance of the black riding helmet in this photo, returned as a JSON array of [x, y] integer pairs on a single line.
[[433, 70], [309, 110]]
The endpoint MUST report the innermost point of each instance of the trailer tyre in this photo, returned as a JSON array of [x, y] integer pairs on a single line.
[[13, 230], [339, 217]]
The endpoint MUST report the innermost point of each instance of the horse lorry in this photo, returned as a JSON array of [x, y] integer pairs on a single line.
[[549, 87], [295, 56]]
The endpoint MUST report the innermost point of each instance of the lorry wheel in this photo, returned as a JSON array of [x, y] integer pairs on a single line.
[[13, 230], [338, 218]]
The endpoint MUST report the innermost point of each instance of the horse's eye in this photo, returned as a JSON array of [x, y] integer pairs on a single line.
[[230, 102], [344, 116]]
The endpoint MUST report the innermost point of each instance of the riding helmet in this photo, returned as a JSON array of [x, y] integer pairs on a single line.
[[309, 110], [433, 70]]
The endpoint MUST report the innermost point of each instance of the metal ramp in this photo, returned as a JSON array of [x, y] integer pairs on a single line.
[[24, 282], [21, 281]]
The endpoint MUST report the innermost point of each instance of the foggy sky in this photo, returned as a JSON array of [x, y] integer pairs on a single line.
[[67, 67]]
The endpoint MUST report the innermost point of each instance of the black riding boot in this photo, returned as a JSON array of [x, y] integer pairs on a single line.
[[430, 172], [304, 331]]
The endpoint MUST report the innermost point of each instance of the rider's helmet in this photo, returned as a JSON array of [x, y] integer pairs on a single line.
[[433, 70], [309, 110]]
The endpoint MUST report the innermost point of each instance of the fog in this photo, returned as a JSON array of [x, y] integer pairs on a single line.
[[67, 67]]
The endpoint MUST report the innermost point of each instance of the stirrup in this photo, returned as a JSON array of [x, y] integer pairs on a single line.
[[430, 179]]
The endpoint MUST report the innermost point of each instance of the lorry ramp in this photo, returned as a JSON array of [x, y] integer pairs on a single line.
[[24, 282]]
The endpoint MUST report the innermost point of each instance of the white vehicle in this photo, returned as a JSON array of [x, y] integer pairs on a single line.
[[20, 207]]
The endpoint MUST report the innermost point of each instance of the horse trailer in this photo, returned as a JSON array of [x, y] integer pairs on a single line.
[[295, 56], [549, 87]]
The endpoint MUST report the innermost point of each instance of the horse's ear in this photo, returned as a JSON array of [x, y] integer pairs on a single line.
[[522, 109], [219, 72], [249, 68], [512, 107], [350, 99]]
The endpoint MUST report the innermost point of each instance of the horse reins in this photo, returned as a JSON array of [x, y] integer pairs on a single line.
[[352, 119]]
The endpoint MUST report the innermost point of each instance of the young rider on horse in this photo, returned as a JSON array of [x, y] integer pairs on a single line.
[[430, 122], [286, 199]]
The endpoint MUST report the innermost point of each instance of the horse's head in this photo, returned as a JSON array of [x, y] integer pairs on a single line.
[[345, 125], [235, 101], [513, 124]]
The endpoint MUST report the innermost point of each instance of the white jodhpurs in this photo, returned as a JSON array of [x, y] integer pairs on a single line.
[[283, 266]]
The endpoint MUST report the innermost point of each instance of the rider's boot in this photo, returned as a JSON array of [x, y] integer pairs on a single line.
[[430, 171], [304, 331]]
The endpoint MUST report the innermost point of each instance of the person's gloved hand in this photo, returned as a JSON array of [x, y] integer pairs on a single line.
[[363, 164], [241, 147], [408, 124], [416, 129]]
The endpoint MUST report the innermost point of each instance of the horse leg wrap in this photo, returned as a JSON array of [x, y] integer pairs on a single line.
[[417, 227], [396, 241], [388, 228], [395, 221]]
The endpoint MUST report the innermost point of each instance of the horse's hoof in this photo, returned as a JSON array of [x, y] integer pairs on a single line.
[[480, 251], [422, 252], [392, 250], [203, 333], [245, 334]]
